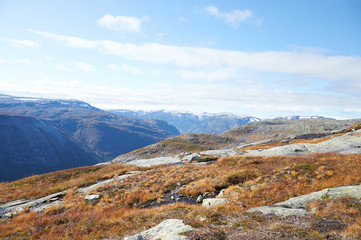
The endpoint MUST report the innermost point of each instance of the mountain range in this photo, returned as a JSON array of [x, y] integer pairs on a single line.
[[187, 122], [104, 135]]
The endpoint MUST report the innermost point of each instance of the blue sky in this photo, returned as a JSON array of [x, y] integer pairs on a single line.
[[261, 58]]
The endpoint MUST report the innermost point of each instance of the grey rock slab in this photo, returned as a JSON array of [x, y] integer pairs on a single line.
[[279, 211], [221, 152], [331, 193], [302, 201], [167, 230], [287, 150], [101, 183], [155, 161], [345, 144], [94, 186], [46, 206], [39, 204], [297, 205], [346, 191], [135, 237], [255, 143], [211, 202], [13, 203]]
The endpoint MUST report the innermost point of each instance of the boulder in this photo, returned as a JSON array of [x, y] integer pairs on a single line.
[[211, 202], [91, 198], [166, 230]]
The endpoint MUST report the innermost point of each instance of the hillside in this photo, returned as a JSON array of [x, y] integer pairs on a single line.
[[312, 195], [107, 134], [30, 146], [278, 129], [193, 123], [275, 131]]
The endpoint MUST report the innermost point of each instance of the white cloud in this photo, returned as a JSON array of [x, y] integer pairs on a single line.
[[192, 97], [341, 68], [125, 67], [61, 67], [85, 67], [21, 43], [2, 61], [114, 67], [23, 60], [122, 23], [234, 18], [209, 76], [131, 69], [182, 19]]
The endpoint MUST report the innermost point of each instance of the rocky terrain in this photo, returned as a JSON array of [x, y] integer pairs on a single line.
[[31, 146], [283, 129], [193, 123], [104, 135], [274, 132], [272, 189]]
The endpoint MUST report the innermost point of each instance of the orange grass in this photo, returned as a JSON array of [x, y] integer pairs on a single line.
[[249, 182], [42, 185]]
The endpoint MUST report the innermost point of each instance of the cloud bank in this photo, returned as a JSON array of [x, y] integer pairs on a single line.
[[121, 23], [345, 68]]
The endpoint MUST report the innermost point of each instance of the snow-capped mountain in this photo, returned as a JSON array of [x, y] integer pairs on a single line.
[[187, 122]]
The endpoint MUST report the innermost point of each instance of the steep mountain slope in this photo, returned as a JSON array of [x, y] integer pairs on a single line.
[[191, 123], [105, 133], [31, 146]]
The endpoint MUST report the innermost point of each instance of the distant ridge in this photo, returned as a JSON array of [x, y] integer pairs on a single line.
[[187, 122]]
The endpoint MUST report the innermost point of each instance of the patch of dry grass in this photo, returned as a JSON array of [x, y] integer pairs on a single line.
[[45, 184]]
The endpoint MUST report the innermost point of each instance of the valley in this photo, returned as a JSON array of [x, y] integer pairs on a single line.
[[213, 187]]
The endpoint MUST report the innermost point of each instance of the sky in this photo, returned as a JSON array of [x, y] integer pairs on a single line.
[[260, 58]]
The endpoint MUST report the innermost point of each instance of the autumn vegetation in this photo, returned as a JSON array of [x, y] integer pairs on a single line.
[[125, 206]]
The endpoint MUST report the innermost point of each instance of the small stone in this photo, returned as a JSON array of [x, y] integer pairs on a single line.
[[135, 237], [199, 199], [196, 158], [91, 198], [221, 193], [206, 193]]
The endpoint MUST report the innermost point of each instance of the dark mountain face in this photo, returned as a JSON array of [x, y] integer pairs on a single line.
[[31, 146], [191, 123], [107, 134]]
